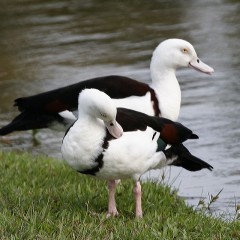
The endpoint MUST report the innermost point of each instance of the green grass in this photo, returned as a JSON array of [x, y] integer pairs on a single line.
[[42, 198]]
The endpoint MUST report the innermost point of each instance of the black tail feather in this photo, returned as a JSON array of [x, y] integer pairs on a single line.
[[183, 158], [28, 121], [194, 136]]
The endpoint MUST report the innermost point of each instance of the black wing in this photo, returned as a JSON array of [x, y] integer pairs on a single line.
[[171, 132], [183, 158], [66, 98]]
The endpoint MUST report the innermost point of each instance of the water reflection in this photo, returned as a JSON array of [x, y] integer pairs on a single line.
[[47, 44]]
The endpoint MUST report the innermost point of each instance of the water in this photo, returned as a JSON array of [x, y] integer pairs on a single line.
[[47, 44]]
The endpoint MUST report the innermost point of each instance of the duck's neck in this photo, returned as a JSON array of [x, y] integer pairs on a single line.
[[167, 88], [87, 121], [91, 130]]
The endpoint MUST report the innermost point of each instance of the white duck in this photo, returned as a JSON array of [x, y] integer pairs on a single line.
[[162, 97], [90, 149]]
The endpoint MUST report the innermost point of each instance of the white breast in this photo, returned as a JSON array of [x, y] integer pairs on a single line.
[[169, 103], [82, 145]]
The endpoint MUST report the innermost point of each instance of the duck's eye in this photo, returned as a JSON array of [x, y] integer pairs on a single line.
[[103, 115], [184, 50], [111, 124]]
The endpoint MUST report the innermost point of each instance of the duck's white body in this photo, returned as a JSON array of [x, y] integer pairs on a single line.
[[84, 141], [131, 156], [86, 148], [83, 144], [89, 146]]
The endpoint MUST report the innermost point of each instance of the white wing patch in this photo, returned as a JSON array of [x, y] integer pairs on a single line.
[[141, 104]]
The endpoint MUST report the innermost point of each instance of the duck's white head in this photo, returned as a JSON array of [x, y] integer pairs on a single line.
[[177, 53], [97, 104]]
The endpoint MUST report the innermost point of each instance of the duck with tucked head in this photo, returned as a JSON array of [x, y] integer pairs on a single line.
[[111, 144]]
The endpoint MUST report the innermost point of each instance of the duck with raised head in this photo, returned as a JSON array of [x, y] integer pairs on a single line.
[[111, 144], [162, 97]]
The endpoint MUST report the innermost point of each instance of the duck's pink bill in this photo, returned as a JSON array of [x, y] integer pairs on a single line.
[[200, 66], [114, 128]]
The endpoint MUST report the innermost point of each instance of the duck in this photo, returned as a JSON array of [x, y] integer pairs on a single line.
[[113, 144], [161, 97]]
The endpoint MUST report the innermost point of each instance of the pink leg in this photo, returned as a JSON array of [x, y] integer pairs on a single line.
[[138, 199], [112, 209]]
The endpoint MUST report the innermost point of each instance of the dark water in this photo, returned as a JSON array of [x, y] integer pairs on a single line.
[[47, 44]]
